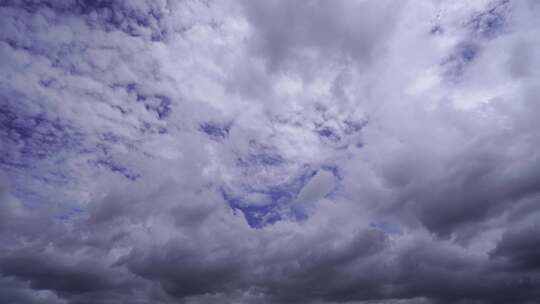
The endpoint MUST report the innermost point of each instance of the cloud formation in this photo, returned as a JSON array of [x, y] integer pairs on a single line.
[[269, 151]]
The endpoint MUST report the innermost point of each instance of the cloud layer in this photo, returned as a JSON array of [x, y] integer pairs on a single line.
[[269, 151]]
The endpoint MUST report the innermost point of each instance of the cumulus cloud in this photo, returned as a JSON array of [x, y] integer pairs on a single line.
[[269, 151]]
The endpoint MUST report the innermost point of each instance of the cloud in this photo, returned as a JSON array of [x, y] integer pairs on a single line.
[[284, 30], [321, 184], [518, 246], [269, 152]]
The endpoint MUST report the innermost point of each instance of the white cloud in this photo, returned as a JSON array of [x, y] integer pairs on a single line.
[[317, 187]]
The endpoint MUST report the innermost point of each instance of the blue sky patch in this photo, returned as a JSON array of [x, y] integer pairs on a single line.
[[215, 130], [280, 202]]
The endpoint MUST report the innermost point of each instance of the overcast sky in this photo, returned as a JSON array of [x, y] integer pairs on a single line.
[[269, 151]]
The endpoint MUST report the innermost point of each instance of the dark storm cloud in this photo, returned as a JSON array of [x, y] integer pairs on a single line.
[[184, 272], [269, 152], [520, 249], [483, 185], [17, 292], [45, 274]]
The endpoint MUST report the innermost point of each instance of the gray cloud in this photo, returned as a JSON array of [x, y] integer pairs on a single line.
[[520, 249], [269, 152]]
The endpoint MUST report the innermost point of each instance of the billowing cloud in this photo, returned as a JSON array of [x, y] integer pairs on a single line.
[[269, 151]]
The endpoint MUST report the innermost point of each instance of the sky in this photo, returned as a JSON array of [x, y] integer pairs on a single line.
[[269, 151]]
